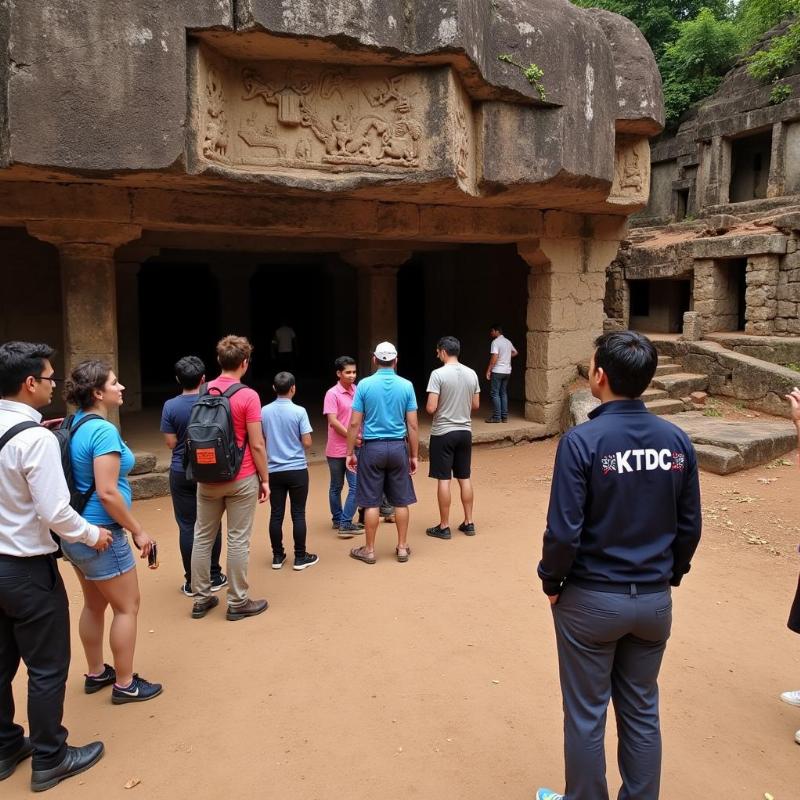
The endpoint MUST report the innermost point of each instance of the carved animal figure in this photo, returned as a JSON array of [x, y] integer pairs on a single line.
[[215, 142], [400, 142]]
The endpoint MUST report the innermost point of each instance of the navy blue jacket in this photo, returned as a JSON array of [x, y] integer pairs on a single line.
[[625, 501]]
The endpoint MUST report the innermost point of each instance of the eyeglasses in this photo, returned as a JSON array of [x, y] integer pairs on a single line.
[[50, 378]]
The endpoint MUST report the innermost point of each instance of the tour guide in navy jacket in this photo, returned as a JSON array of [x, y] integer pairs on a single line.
[[622, 526]]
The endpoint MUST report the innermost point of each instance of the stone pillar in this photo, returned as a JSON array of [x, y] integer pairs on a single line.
[[761, 294], [377, 299], [777, 162], [129, 261], [692, 327], [565, 306], [716, 297], [88, 290], [718, 171]]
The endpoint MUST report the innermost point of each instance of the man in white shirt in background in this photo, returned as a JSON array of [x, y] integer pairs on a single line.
[[284, 348], [453, 394], [34, 611], [498, 373]]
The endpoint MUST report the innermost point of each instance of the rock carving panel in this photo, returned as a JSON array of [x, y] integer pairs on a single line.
[[216, 135], [353, 123], [631, 171]]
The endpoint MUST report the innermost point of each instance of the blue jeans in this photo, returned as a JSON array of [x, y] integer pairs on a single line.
[[339, 471], [499, 395]]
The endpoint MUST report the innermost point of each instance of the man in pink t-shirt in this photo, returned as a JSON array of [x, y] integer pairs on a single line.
[[236, 498], [337, 410]]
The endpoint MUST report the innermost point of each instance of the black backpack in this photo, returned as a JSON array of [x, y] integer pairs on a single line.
[[63, 434], [211, 454]]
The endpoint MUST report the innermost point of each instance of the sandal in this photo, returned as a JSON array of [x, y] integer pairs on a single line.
[[361, 554], [406, 553]]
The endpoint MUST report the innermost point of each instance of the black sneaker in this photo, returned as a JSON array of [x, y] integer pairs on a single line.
[[219, 583], [94, 683], [492, 419], [467, 528], [186, 588], [335, 525], [139, 691], [304, 561], [202, 607], [277, 560], [505, 419], [438, 532]]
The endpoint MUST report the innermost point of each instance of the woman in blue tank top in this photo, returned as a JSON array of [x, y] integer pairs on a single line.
[[101, 462]]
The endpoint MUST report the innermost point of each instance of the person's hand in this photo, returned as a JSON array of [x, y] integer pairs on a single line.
[[413, 465], [488, 375], [143, 542], [352, 462], [553, 598], [794, 398], [104, 542], [263, 491]]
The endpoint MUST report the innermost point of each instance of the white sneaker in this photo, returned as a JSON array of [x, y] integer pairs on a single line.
[[792, 698], [797, 737]]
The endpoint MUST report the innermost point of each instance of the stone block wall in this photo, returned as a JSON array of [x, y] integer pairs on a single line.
[[714, 296], [761, 295], [787, 303]]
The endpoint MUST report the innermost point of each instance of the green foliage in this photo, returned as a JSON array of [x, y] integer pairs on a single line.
[[696, 41], [783, 51], [693, 65], [779, 93], [533, 73], [755, 17]]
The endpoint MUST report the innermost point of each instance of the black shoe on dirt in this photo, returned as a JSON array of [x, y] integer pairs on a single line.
[[94, 683], [438, 532], [467, 528]]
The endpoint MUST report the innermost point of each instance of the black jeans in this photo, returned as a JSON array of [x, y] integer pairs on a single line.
[[34, 627], [184, 504], [293, 482]]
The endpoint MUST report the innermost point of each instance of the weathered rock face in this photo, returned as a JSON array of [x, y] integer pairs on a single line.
[[343, 94]]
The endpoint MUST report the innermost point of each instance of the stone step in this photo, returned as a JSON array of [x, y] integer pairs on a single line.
[[665, 359], [718, 460], [664, 406], [667, 369], [681, 384], [652, 393]]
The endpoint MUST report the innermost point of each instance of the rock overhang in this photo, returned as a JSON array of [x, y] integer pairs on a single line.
[[482, 133]]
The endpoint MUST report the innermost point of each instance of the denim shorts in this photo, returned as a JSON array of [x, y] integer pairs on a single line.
[[116, 560]]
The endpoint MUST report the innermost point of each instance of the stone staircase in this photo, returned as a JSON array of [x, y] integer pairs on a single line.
[[670, 386]]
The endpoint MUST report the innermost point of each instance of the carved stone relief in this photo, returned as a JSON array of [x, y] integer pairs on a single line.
[[352, 122], [216, 136], [631, 171], [462, 144]]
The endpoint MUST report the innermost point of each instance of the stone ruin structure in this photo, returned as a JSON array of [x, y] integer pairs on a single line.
[[719, 236], [361, 170]]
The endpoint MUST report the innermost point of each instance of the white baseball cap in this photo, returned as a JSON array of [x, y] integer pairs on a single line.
[[385, 351]]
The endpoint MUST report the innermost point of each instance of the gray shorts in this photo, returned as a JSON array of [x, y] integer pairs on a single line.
[[383, 470]]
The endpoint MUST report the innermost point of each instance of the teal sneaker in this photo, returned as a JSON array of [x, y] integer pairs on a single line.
[[548, 794]]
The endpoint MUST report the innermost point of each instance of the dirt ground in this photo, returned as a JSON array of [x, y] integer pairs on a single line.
[[437, 678]]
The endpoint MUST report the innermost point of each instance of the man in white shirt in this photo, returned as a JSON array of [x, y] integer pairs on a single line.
[[34, 612], [498, 373], [284, 346]]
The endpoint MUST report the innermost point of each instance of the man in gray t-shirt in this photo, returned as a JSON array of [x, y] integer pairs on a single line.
[[453, 394]]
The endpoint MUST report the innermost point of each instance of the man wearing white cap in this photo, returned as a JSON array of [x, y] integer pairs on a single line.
[[386, 406]]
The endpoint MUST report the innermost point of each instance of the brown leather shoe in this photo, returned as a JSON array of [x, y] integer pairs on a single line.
[[250, 608], [202, 607]]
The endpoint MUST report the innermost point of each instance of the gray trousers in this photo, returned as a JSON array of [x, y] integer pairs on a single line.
[[610, 646]]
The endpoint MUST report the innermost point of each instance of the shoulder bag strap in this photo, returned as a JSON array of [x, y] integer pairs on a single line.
[[15, 429]]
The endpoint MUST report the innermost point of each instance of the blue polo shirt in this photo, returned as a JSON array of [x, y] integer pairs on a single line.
[[284, 424], [384, 399]]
